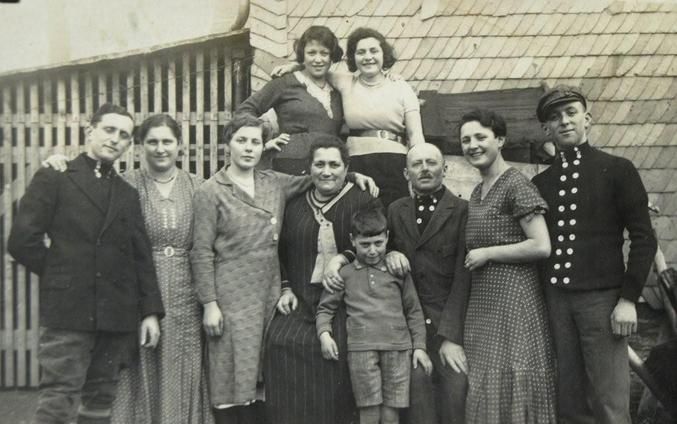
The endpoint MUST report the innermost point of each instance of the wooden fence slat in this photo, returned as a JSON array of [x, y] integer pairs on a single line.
[[227, 81], [213, 111], [116, 88], [47, 114], [199, 113], [171, 89], [89, 95], [143, 82], [75, 113], [157, 86], [34, 155], [61, 115], [8, 284], [20, 294], [33, 287], [185, 111], [129, 155], [102, 89]]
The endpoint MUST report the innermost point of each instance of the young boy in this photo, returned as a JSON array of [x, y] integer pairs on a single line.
[[385, 322]]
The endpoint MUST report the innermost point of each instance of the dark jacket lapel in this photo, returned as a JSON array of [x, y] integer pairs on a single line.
[[116, 201], [83, 177], [408, 217], [439, 217]]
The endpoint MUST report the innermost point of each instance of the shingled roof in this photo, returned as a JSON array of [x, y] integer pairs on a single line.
[[623, 54]]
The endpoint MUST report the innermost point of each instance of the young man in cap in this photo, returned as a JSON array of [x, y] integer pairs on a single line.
[[97, 277], [591, 294]]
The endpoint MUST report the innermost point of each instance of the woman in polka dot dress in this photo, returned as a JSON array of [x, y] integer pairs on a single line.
[[507, 338]]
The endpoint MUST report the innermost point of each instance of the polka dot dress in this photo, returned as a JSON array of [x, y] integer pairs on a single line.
[[507, 339]]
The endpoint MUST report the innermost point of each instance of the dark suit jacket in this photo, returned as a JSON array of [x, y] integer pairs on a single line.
[[98, 272], [436, 257]]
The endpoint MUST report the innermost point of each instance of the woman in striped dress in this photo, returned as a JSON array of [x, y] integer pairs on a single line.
[[301, 386]]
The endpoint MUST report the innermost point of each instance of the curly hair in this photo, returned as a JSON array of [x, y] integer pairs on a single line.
[[322, 35], [389, 58]]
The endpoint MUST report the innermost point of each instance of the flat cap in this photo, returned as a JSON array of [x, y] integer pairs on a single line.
[[556, 96]]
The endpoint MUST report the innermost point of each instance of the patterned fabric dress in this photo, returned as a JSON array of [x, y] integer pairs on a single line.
[[167, 384], [507, 338], [235, 263]]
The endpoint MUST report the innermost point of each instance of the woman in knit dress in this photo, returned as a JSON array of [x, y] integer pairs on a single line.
[[383, 115], [304, 102], [507, 338]]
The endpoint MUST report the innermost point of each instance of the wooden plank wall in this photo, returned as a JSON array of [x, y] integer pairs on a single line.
[[44, 112]]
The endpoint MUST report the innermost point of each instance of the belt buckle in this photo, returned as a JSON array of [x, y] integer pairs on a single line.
[[169, 251], [382, 134]]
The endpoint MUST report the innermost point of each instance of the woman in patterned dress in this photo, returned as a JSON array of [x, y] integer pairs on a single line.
[[238, 217], [165, 385], [507, 338]]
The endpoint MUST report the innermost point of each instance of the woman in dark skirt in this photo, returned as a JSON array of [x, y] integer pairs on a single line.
[[301, 386]]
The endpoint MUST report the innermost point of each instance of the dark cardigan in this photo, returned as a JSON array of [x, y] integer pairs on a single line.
[[592, 202]]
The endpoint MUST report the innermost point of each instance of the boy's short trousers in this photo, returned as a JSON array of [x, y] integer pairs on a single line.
[[380, 377]]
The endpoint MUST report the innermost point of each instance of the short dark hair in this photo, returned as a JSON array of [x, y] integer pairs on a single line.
[[389, 58], [322, 35], [368, 222], [107, 108], [486, 118], [244, 120], [328, 141], [154, 121]]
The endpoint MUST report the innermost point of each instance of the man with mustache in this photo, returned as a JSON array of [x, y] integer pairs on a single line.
[[590, 293], [97, 277], [429, 229]]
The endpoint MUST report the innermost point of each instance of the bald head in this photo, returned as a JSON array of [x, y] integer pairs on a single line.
[[425, 168], [424, 149]]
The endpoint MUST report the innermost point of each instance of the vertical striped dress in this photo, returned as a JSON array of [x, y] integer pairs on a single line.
[[301, 386]]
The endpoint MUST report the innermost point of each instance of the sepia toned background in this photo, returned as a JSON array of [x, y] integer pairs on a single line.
[[196, 60]]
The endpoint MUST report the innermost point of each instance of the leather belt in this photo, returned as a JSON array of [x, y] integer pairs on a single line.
[[384, 134]]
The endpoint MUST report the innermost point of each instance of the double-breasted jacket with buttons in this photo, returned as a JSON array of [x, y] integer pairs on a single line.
[[593, 197], [98, 272]]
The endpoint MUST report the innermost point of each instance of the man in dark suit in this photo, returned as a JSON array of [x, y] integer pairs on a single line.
[[429, 228], [427, 238], [97, 278], [590, 293]]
